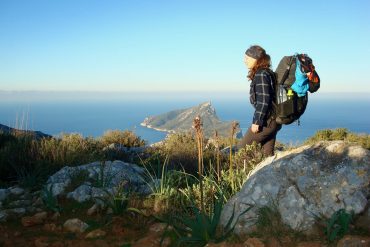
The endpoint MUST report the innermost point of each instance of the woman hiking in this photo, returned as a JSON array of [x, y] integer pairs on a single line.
[[264, 127]]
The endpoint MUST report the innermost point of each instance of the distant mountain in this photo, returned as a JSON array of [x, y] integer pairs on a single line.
[[182, 121], [37, 134]]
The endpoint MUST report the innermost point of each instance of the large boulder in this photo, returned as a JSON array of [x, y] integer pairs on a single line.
[[112, 173], [313, 180]]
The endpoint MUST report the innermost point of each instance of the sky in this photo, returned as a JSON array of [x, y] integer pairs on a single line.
[[188, 45]]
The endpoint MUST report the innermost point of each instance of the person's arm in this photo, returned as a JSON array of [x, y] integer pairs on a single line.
[[263, 98]]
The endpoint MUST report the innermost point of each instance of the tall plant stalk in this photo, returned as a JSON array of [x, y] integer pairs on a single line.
[[234, 127], [198, 126], [217, 146]]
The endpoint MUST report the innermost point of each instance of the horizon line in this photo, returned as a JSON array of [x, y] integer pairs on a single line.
[[154, 91]]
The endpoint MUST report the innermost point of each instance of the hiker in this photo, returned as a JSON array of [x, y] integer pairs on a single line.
[[264, 127]]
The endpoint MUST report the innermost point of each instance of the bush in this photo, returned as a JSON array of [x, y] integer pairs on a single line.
[[126, 138], [340, 134], [181, 150]]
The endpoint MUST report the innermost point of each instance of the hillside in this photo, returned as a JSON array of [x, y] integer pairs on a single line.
[[181, 120]]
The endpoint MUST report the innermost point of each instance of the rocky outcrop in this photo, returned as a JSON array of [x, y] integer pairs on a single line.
[[310, 181], [101, 179]]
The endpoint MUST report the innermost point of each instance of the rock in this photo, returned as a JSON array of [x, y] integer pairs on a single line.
[[310, 180], [75, 226], [57, 244], [41, 242], [310, 244], [157, 227], [115, 173], [81, 194], [16, 191], [98, 233], [51, 227], [93, 210], [19, 203], [354, 241], [17, 212], [3, 194], [254, 242], [58, 188], [55, 216], [3, 216], [37, 219], [152, 241]]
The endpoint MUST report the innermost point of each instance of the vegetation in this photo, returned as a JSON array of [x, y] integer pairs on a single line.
[[29, 160], [340, 134], [190, 179]]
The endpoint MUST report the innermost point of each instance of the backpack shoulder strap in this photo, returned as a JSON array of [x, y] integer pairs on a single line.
[[286, 73]]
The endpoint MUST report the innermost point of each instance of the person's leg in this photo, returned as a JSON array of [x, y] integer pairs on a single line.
[[259, 137], [269, 146], [266, 137]]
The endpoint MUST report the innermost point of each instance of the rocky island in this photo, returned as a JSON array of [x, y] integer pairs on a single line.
[[181, 120]]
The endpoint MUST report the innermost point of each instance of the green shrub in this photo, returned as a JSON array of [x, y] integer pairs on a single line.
[[340, 134], [69, 149], [338, 225], [181, 150], [126, 138]]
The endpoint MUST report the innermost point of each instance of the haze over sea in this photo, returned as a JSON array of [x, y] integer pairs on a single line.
[[91, 114]]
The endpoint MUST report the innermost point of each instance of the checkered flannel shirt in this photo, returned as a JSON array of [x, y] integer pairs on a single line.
[[261, 96]]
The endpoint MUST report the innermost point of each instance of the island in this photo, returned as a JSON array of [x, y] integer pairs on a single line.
[[181, 120]]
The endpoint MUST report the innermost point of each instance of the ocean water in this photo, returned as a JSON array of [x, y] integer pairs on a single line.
[[93, 116]]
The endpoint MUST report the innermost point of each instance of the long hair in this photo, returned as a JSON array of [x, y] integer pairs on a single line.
[[262, 63]]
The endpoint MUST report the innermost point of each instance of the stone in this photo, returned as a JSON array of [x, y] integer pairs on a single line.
[[75, 226], [310, 244], [19, 203], [3, 216], [354, 241], [157, 227], [317, 179], [41, 242], [254, 242], [93, 210], [36, 219], [81, 194], [51, 227], [115, 173], [98, 233], [55, 216], [18, 212], [3, 194], [16, 191]]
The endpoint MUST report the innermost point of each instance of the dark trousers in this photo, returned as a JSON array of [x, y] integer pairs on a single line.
[[266, 137]]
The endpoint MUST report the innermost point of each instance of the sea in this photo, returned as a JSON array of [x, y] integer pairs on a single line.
[[91, 114]]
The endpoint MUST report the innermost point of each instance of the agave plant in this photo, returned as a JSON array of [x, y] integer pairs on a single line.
[[49, 200], [203, 227]]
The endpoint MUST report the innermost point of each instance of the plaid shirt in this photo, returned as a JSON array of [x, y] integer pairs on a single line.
[[261, 96]]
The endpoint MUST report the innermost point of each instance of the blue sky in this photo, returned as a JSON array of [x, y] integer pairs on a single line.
[[91, 45]]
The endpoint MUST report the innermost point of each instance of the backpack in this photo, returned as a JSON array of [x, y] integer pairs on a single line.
[[292, 87]]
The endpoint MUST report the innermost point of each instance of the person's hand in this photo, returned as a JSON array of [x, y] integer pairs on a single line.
[[255, 128]]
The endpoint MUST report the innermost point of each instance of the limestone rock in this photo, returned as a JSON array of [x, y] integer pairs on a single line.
[[75, 226], [3, 194], [36, 219], [16, 191], [3, 216], [98, 233], [311, 180], [114, 172], [81, 194]]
